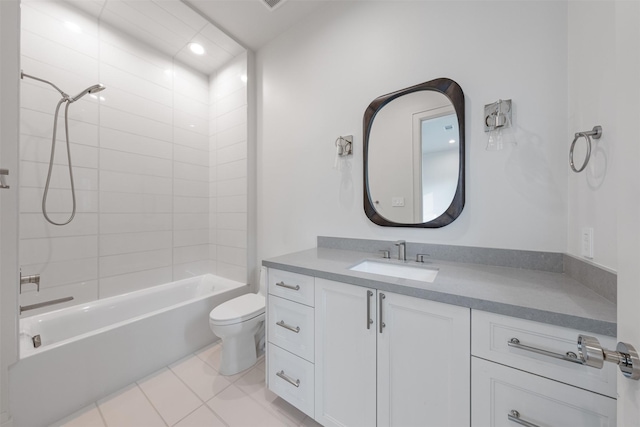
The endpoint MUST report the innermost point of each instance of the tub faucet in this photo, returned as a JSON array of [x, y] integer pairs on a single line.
[[402, 250]]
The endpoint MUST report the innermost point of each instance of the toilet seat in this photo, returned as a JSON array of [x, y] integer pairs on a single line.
[[238, 310]]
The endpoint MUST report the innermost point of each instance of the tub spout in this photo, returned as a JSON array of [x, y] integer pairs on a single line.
[[44, 304]]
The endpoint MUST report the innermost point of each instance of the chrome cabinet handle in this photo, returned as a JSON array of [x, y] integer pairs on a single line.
[[382, 325], [287, 378], [514, 416], [569, 356], [284, 285], [369, 319], [289, 327]]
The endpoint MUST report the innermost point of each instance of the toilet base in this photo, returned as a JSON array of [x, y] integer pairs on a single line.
[[238, 354]]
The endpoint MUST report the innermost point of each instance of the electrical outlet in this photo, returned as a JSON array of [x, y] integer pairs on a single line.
[[586, 242], [397, 202]]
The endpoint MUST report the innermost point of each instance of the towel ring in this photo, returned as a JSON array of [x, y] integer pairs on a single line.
[[596, 133]]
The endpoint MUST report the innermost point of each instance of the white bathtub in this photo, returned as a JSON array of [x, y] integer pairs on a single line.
[[92, 349]]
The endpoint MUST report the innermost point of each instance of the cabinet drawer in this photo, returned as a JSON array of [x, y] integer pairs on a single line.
[[292, 286], [291, 378], [291, 326], [498, 390], [491, 334]]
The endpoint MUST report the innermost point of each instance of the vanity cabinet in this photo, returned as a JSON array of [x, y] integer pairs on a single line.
[[389, 360], [523, 382], [348, 355]]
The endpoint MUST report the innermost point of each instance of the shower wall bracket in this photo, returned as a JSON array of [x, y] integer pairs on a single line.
[[3, 174]]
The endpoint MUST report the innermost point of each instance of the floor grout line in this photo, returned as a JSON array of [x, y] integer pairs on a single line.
[[104, 420], [149, 400]]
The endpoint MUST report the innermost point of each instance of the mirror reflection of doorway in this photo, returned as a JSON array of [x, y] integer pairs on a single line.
[[435, 161]]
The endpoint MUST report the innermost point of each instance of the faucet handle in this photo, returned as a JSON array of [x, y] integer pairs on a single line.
[[420, 257], [385, 253]]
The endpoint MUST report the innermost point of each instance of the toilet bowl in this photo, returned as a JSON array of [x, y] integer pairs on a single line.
[[237, 322]]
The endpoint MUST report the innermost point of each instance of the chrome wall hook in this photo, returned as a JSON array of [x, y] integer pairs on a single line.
[[596, 133]]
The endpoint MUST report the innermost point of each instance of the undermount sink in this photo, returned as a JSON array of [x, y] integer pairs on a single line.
[[396, 270]]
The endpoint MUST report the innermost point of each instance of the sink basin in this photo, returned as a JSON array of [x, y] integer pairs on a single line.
[[396, 270]]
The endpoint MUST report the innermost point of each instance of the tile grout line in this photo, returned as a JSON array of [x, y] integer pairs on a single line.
[[150, 402], [204, 403], [104, 420], [269, 408]]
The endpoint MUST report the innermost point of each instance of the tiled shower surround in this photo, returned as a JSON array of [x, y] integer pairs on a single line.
[[159, 161]]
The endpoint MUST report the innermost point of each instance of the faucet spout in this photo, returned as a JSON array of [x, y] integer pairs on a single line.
[[402, 250]]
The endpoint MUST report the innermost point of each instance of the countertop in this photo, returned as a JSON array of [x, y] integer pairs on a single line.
[[552, 298]]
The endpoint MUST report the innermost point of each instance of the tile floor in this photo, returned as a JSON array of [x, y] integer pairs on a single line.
[[191, 393]]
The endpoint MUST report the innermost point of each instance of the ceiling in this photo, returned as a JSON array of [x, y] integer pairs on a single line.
[[251, 22], [169, 26], [223, 27]]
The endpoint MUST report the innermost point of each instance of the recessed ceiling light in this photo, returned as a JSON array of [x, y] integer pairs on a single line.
[[452, 141], [196, 48], [72, 27], [243, 77]]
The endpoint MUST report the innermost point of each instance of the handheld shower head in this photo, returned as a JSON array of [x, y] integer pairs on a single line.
[[91, 89]]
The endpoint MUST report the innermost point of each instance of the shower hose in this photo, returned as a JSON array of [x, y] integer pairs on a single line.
[[53, 152]]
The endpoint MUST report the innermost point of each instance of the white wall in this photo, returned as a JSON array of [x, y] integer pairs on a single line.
[[592, 101], [228, 172], [627, 176], [141, 161], [316, 80]]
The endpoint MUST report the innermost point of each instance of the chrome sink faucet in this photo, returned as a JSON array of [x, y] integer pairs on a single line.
[[402, 250]]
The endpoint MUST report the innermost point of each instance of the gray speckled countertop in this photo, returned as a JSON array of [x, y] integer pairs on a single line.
[[542, 296]]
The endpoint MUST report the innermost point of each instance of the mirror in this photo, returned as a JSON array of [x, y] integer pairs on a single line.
[[414, 156]]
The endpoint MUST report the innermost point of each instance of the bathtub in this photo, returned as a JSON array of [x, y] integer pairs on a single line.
[[90, 350]]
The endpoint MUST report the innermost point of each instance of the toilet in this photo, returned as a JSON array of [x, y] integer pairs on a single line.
[[237, 322]]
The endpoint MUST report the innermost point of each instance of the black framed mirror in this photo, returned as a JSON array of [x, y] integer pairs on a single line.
[[414, 156]]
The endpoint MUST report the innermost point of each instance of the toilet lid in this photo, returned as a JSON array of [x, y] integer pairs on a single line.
[[238, 310]]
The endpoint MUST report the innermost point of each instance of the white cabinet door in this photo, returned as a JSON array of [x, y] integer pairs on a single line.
[[498, 390], [423, 363], [345, 355]]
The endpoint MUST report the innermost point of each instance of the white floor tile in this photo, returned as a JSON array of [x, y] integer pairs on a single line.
[[239, 410], [201, 417], [309, 422], [212, 355], [86, 417], [205, 381], [171, 398], [129, 408], [254, 385]]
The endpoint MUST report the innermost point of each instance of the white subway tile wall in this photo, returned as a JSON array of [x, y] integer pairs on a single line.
[[228, 171], [147, 166]]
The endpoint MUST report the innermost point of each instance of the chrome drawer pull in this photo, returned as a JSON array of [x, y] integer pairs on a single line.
[[288, 379], [284, 285], [289, 327], [514, 416], [569, 356], [369, 319]]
